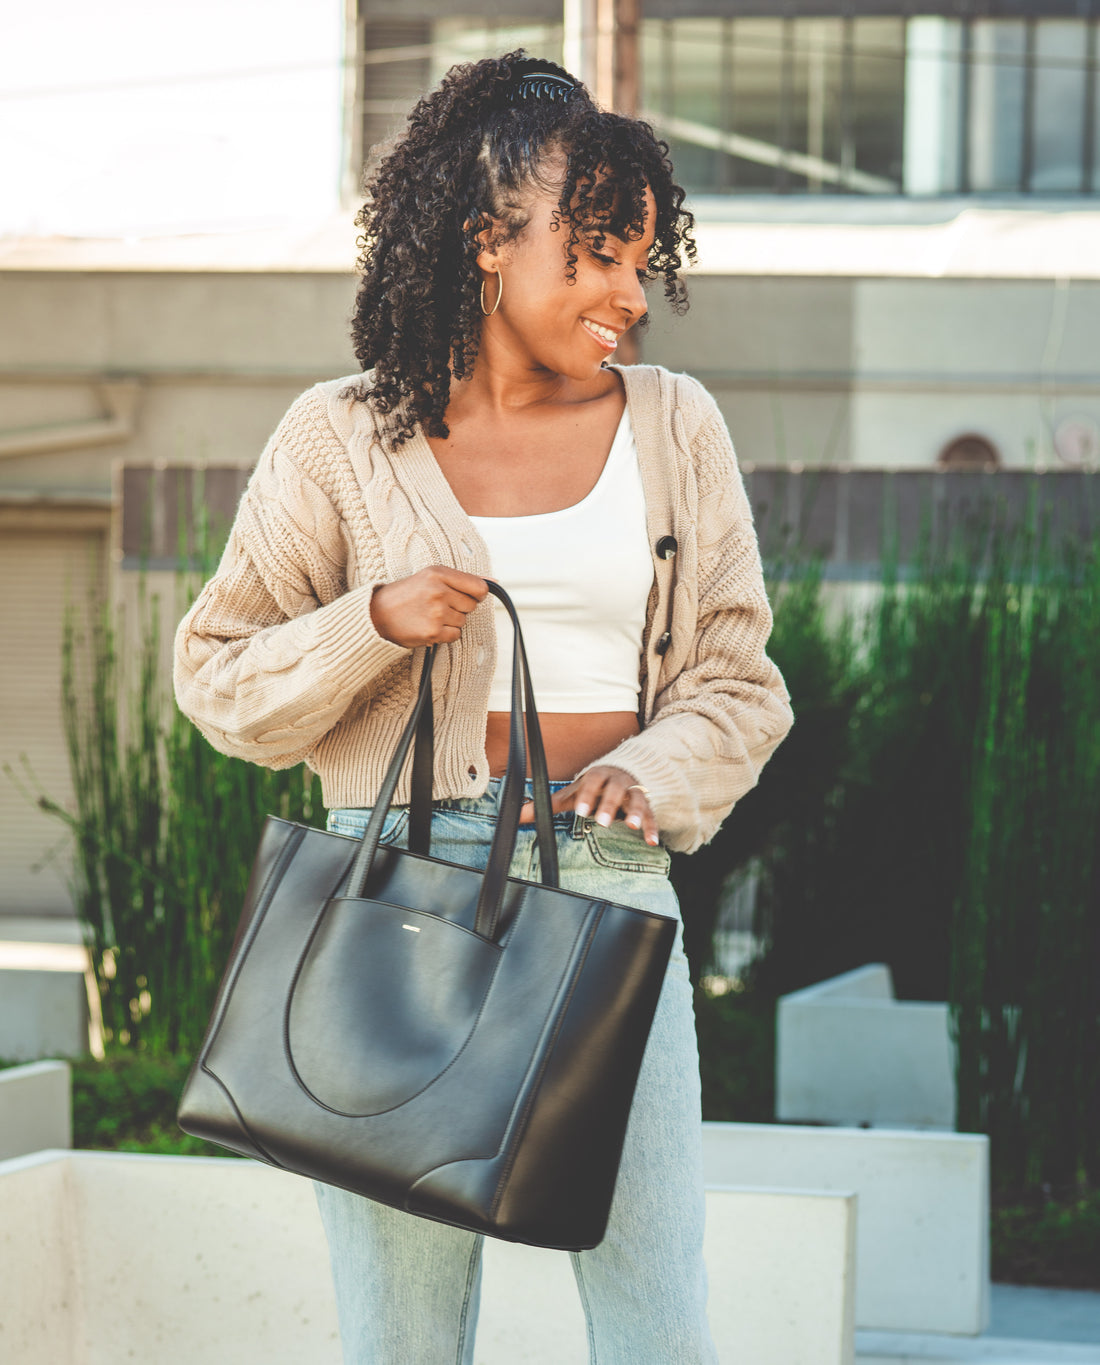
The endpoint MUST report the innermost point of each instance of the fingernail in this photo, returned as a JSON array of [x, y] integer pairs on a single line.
[[581, 808], [634, 821], [651, 838], [603, 819]]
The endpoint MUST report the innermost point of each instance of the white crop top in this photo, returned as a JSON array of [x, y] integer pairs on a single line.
[[580, 579]]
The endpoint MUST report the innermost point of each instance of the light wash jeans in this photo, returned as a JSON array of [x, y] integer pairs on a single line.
[[407, 1288]]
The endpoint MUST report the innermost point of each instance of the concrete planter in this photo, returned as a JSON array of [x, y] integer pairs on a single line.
[[923, 1211], [848, 1052], [36, 1108], [49, 1002], [107, 1257]]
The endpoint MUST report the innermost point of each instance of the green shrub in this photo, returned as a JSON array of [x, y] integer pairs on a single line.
[[818, 665], [1047, 1241], [128, 1102], [935, 808], [736, 1033], [164, 827]]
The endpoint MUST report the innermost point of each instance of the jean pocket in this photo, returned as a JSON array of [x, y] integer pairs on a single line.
[[624, 849], [353, 821]]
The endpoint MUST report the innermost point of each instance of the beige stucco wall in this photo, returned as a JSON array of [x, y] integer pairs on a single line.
[[881, 372], [875, 371], [217, 356]]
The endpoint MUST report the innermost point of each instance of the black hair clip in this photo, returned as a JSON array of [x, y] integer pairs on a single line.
[[541, 85]]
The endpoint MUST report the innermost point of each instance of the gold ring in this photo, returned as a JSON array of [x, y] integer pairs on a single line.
[[637, 787]]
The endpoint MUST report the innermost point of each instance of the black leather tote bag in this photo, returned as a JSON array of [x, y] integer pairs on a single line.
[[463, 1045]]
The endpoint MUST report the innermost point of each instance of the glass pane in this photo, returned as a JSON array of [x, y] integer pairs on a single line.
[[709, 84], [815, 107], [933, 91], [1059, 124], [468, 40], [681, 80], [878, 101], [757, 71], [996, 104], [1094, 52], [423, 53]]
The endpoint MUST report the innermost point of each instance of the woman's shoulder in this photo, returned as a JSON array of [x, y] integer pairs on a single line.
[[663, 393], [315, 430], [305, 457], [677, 404]]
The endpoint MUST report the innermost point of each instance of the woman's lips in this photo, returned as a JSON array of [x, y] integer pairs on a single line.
[[605, 337]]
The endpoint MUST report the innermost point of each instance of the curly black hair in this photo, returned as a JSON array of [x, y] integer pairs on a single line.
[[471, 149]]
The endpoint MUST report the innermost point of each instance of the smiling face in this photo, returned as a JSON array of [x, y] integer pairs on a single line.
[[554, 318]]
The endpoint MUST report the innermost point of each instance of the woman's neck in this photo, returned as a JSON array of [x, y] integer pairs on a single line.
[[502, 387]]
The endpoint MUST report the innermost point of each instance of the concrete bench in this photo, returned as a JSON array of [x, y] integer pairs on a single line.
[[49, 1003], [107, 1257], [848, 1052], [923, 1211], [36, 1108]]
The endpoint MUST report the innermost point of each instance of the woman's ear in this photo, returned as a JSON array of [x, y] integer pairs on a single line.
[[488, 233]]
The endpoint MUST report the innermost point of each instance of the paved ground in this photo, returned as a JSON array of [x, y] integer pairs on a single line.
[[1028, 1326], [1048, 1314]]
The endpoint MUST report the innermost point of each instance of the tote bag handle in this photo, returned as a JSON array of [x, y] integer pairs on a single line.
[[419, 729]]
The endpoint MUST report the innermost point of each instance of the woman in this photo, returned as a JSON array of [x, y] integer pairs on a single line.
[[508, 239]]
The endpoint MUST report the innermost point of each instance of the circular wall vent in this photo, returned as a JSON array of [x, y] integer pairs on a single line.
[[1077, 440], [969, 451]]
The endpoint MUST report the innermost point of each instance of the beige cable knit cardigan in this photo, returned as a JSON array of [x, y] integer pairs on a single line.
[[278, 660]]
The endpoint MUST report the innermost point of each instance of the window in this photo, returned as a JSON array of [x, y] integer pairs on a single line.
[[790, 98], [402, 52]]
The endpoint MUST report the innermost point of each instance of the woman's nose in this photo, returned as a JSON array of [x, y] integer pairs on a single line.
[[630, 296]]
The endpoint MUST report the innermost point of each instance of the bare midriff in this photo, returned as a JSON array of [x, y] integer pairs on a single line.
[[572, 741]]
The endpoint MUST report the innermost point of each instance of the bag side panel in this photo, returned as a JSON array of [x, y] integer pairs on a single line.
[[566, 1160]]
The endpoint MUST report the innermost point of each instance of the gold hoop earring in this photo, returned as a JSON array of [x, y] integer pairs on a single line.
[[488, 312]]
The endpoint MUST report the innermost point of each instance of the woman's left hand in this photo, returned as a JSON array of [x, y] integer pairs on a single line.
[[603, 793]]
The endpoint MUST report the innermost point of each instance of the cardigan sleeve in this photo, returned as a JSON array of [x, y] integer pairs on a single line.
[[275, 647], [718, 721]]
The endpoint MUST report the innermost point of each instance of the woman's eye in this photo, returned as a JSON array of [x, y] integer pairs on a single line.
[[605, 260]]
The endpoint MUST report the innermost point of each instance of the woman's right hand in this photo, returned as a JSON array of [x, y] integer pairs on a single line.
[[427, 608]]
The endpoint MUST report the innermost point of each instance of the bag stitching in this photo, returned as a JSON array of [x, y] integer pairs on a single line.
[[343, 1113], [264, 1153], [623, 864], [352, 827]]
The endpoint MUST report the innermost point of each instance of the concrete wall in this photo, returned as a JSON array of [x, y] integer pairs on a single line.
[[885, 371], [215, 359], [876, 372], [218, 356]]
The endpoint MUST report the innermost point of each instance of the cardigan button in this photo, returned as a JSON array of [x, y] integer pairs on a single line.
[[667, 547], [663, 643]]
